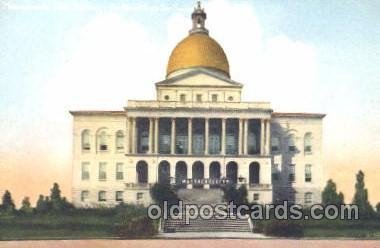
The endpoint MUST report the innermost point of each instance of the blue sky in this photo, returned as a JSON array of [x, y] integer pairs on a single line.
[[303, 56]]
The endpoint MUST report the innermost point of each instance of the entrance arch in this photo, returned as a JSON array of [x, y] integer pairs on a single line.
[[232, 172], [164, 172], [181, 173], [214, 173], [254, 173], [142, 172], [198, 174]]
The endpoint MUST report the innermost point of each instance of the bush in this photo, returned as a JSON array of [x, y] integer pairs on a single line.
[[161, 192], [284, 228], [138, 227], [238, 196]]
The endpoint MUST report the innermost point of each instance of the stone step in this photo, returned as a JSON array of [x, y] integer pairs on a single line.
[[203, 225]]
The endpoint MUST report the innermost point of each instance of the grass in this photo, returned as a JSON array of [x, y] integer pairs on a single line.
[[87, 224], [70, 226]]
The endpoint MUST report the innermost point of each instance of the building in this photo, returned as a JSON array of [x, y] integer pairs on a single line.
[[196, 134]]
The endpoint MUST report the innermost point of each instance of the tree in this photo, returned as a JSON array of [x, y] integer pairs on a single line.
[[58, 203], [361, 197], [8, 204], [238, 196], [55, 198], [161, 192], [378, 208], [43, 205], [330, 195], [26, 206]]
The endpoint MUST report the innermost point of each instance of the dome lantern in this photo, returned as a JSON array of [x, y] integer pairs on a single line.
[[199, 18]]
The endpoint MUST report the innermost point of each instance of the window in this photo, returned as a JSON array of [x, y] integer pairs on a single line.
[[214, 97], [85, 171], [119, 140], [166, 97], [308, 176], [230, 98], [102, 171], [199, 97], [292, 172], [308, 198], [275, 144], [291, 144], [119, 196], [102, 141], [256, 196], [182, 98], [84, 195], [276, 172], [119, 171], [102, 196], [86, 140], [307, 143], [139, 195]]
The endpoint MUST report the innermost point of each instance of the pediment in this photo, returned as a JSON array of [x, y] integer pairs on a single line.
[[200, 78]]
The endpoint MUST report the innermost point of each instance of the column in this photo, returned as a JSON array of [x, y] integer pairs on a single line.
[[150, 135], [246, 123], [206, 135], [172, 173], [241, 143], [206, 173], [156, 140], [189, 135], [223, 151], [133, 141], [127, 136], [189, 175], [262, 135], [172, 147], [267, 144]]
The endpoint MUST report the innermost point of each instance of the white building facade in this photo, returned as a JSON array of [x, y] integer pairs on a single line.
[[196, 134]]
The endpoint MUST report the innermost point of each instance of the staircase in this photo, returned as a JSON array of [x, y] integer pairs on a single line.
[[199, 197], [211, 225]]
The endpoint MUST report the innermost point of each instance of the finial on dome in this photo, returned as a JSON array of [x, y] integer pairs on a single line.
[[199, 17]]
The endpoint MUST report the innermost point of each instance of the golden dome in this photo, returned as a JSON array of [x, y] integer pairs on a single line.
[[198, 50]]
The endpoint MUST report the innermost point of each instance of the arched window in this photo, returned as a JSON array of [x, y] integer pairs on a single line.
[[275, 143], [307, 142], [291, 143], [86, 146], [119, 140], [142, 172], [102, 140]]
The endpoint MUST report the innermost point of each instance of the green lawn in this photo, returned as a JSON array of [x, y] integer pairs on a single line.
[[86, 224]]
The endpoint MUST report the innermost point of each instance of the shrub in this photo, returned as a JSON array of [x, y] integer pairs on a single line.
[[238, 196], [283, 228], [161, 192], [138, 227]]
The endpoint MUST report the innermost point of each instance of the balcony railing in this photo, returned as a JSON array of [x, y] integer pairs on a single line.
[[201, 182], [206, 105]]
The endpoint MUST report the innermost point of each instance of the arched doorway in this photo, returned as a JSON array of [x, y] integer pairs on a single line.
[[164, 172], [232, 172], [181, 173], [214, 174], [198, 174], [142, 172], [254, 173]]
